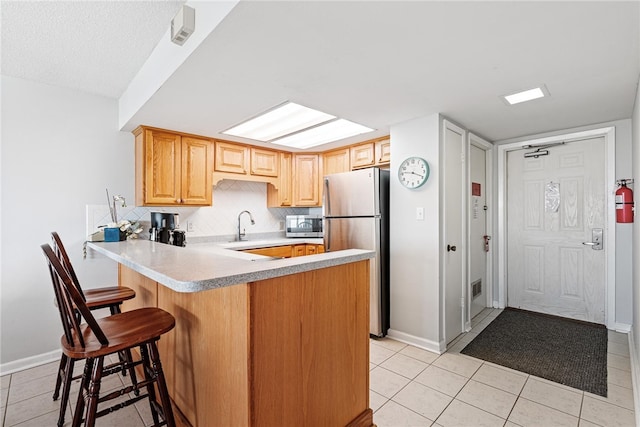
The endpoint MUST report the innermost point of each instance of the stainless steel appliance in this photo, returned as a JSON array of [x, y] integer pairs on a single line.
[[303, 225], [356, 216]]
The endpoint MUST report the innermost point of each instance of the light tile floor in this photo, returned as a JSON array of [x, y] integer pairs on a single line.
[[409, 387]]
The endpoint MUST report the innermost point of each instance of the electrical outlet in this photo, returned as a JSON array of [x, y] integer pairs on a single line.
[[189, 226], [420, 214]]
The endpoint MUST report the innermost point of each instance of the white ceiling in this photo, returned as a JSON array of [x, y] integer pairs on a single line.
[[377, 63], [93, 46]]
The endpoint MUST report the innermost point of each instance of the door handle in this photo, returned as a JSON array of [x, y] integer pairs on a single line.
[[327, 201], [451, 248], [596, 239]]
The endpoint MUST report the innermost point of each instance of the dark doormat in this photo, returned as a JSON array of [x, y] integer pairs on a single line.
[[561, 350]]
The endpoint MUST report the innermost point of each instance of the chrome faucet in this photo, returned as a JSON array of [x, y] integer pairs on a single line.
[[242, 235]]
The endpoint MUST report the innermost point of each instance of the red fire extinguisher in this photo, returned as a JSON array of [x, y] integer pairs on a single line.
[[624, 202]]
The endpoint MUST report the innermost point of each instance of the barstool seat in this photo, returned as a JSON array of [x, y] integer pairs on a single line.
[[111, 296], [98, 338]]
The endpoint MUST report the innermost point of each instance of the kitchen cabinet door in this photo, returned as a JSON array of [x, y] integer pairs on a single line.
[[158, 163], [306, 180], [383, 151], [362, 155], [197, 182], [336, 161], [264, 162], [281, 196], [172, 169], [231, 158], [275, 251], [299, 250]]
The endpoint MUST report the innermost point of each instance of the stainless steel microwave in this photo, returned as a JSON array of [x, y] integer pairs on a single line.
[[303, 226]]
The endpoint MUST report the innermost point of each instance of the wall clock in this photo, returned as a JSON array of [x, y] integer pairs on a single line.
[[413, 172]]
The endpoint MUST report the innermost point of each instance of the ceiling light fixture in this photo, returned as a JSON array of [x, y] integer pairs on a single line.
[[282, 120], [297, 126], [322, 134], [526, 95]]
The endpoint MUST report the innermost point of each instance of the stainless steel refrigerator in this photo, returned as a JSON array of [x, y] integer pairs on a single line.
[[356, 216]]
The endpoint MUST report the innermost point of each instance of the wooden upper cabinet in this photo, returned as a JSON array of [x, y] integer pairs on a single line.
[[282, 196], [264, 162], [172, 169], [383, 151], [197, 181], [336, 161], [362, 155], [306, 180], [231, 158]]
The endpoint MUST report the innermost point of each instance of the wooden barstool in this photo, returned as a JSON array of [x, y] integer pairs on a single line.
[[98, 338], [107, 297]]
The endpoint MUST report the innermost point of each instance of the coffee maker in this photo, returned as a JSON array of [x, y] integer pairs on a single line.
[[164, 229]]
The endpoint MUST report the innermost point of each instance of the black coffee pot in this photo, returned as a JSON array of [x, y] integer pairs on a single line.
[[179, 238]]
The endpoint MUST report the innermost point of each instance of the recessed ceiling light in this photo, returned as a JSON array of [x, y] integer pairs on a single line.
[[296, 126], [526, 95], [322, 134]]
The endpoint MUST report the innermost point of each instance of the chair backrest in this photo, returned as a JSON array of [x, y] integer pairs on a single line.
[[70, 302], [62, 255]]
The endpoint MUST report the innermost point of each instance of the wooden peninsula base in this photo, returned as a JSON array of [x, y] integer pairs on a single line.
[[285, 351]]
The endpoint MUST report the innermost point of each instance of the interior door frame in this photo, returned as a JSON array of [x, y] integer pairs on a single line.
[[446, 124], [487, 147], [609, 242]]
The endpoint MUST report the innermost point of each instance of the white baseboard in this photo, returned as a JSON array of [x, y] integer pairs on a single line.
[[30, 362], [635, 375], [622, 327], [415, 341]]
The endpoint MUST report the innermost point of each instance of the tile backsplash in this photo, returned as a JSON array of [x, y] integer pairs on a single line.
[[229, 199]]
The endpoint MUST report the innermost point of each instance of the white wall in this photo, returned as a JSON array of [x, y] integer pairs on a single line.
[[414, 245], [60, 150], [624, 264]]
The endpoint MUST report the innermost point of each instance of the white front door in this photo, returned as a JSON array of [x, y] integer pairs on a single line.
[[453, 250], [554, 205]]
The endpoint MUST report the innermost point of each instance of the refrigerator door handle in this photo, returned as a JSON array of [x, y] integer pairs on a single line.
[[327, 202], [327, 233]]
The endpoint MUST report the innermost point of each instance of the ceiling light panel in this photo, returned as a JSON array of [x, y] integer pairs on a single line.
[[527, 95], [322, 134], [283, 120]]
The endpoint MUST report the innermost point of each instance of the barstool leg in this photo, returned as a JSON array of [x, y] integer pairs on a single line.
[[94, 392], [66, 387], [148, 375], [126, 357], [84, 387], [61, 374], [162, 385]]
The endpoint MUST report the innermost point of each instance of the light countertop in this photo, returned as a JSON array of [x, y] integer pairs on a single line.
[[202, 266]]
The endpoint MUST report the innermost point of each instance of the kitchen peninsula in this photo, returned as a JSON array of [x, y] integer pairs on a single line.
[[258, 341]]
